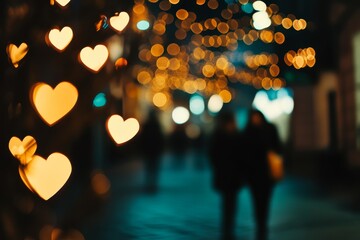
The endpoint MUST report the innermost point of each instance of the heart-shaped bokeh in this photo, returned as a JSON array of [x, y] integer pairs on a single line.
[[59, 39], [62, 3], [53, 104], [119, 22], [16, 54], [23, 150], [46, 177], [122, 131], [94, 59]]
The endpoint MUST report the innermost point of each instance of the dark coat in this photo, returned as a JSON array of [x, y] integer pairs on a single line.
[[152, 139], [225, 160], [257, 142]]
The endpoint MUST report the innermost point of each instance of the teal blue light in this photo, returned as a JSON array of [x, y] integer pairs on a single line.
[[247, 8], [99, 100], [197, 105], [143, 25]]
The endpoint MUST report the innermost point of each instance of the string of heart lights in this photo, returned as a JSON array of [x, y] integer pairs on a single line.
[[46, 177]]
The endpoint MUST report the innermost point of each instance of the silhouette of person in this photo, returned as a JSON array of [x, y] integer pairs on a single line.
[[178, 145], [152, 140], [224, 162], [260, 136]]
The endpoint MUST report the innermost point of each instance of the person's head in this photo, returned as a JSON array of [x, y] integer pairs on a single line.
[[256, 118]]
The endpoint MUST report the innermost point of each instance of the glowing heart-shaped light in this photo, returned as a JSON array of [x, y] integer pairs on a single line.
[[23, 150], [94, 59], [60, 39], [16, 54], [122, 131], [46, 177], [24, 178], [120, 21], [62, 3], [53, 104]]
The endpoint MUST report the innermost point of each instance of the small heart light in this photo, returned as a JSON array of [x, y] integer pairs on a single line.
[[60, 39], [53, 104], [24, 179], [122, 131], [94, 59], [16, 54], [46, 177], [120, 21], [23, 150], [62, 3]]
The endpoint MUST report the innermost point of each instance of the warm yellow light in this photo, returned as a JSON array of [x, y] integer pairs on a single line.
[[16, 54], [122, 131], [201, 84], [196, 28], [277, 19], [94, 59], [173, 49], [266, 83], [287, 23], [274, 70], [223, 27], [139, 9], [190, 87], [247, 39], [53, 104], [230, 70], [199, 53], [208, 70], [310, 51], [159, 28], [174, 1], [62, 3], [162, 63], [159, 99], [277, 84], [221, 63], [182, 14], [200, 2], [210, 23], [311, 63], [298, 62], [303, 23], [120, 21], [23, 150], [60, 39], [157, 50], [289, 57], [46, 177], [225, 95], [144, 77], [174, 64], [279, 38]]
